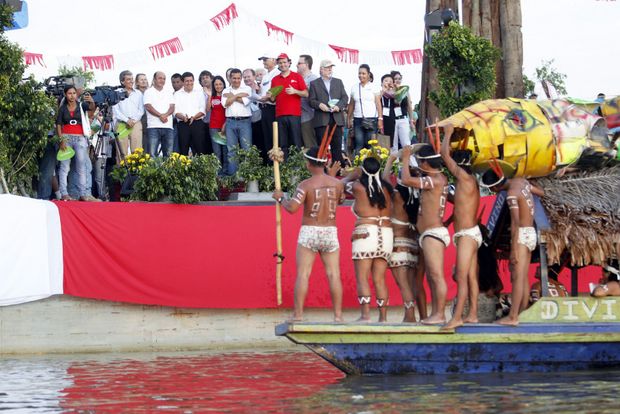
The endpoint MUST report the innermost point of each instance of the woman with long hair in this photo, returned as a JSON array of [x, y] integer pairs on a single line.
[[73, 126], [364, 113], [218, 120], [404, 260], [142, 84], [372, 238]]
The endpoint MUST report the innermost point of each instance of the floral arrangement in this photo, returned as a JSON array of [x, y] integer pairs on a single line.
[[131, 164], [375, 150]]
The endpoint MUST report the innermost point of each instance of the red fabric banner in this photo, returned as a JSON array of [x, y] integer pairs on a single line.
[[407, 57], [224, 17], [167, 48], [34, 59], [105, 62], [346, 55], [279, 33], [207, 256]]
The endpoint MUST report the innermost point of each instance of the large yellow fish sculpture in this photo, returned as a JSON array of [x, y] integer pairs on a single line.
[[533, 138]]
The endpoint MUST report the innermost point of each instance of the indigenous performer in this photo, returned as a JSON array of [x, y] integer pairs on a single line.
[[373, 237], [434, 237], [404, 258], [467, 236], [319, 195], [523, 234]]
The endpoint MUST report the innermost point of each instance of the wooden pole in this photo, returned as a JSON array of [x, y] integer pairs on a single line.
[[279, 257]]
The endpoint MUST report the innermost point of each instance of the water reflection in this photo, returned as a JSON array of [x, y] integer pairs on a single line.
[[280, 382]]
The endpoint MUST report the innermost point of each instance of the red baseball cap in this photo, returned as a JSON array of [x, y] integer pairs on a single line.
[[283, 56]]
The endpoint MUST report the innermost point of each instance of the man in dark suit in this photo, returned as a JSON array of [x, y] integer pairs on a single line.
[[329, 99]]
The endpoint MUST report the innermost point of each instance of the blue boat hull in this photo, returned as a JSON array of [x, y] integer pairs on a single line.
[[368, 359]]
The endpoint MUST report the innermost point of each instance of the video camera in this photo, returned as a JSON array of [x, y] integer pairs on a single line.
[[55, 85], [106, 95]]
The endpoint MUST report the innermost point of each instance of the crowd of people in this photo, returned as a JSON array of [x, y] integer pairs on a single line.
[[403, 228], [216, 114]]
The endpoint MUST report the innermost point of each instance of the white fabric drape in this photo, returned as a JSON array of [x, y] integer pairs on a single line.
[[31, 263]]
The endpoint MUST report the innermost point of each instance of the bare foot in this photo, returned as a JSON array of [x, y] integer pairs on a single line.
[[363, 319], [434, 320], [294, 319], [471, 320], [508, 321], [338, 319], [409, 320], [454, 323]]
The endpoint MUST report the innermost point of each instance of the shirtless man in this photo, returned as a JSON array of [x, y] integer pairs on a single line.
[[319, 195], [434, 237], [372, 238], [522, 235], [404, 258], [467, 236]]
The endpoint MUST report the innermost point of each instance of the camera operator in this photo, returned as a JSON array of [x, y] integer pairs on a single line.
[[73, 127], [129, 112]]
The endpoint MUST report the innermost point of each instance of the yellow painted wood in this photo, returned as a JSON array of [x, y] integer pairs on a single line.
[[573, 310], [407, 338]]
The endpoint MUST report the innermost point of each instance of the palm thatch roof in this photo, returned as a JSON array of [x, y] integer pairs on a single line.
[[584, 212]]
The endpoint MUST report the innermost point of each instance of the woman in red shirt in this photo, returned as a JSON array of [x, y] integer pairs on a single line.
[[70, 127], [218, 121]]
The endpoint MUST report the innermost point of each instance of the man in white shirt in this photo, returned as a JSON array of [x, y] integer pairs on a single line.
[[190, 106], [159, 106], [127, 114], [236, 100], [268, 108], [249, 79]]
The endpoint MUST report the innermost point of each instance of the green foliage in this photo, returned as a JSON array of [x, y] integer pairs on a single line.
[[293, 170], [547, 72], [463, 61], [251, 168], [26, 114], [77, 72], [178, 178], [528, 85]]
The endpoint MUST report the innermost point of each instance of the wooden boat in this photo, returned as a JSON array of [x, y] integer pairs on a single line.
[[555, 334]]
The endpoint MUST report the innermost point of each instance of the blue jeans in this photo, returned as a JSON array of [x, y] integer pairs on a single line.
[[238, 133], [175, 137], [80, 146], [362, 136], [220, 151], [73, 179], [47, 165], [157, 136]]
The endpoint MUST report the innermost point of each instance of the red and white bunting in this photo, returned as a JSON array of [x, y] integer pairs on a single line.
[[346, 54], [34, 59], [225, 17], [279, 33], [167, 48], [407, 57], [105, 62]]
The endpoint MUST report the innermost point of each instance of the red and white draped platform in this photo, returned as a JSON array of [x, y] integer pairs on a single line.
[[200, 256]]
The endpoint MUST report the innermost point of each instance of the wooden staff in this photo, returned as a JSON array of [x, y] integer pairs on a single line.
[[278, 255]]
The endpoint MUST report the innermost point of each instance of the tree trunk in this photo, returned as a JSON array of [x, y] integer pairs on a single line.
[[500, 22], [510, 21]]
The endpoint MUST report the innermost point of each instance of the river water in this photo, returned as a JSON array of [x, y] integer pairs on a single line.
[[280, 382]]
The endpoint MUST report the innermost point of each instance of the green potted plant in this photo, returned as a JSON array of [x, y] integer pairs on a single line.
[[251, 169]]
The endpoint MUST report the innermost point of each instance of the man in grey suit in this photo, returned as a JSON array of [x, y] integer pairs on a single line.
[[329, 99]]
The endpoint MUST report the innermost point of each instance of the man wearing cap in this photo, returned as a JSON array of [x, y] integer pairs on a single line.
[[267, 107], [323, 94], [522, 234], [288, 103], [434, 237], [319, 195], [304, 68]]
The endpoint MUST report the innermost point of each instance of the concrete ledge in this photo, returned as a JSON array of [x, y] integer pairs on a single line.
[[66, 324]]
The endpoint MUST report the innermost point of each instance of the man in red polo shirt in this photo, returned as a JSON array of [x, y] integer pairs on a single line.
[[288, 103]]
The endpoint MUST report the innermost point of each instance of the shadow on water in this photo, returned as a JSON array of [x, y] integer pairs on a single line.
[[280, 382]]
